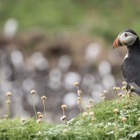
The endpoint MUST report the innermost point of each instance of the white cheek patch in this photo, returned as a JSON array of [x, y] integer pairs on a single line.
[[129, 39]]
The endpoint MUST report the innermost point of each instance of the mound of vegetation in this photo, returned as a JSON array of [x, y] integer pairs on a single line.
[[117, 119]]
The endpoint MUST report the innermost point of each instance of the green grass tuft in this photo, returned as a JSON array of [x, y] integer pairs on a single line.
[[106, 125]]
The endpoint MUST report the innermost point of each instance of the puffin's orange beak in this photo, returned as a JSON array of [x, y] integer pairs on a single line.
[[115, 44]]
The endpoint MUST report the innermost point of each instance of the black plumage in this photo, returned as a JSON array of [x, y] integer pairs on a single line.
[[131, 65]]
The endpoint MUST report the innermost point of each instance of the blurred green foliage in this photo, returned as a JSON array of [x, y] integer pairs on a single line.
[[104, 18]]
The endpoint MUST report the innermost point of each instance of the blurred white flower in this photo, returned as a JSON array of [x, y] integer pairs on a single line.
[[5, 72], [10, 28], [28, 84], [17, 59], [39, 61], [88, 80], [108, 81], [70, 78], [55, 76], [92, 52], [5, 85], [104, 68], [96, 96], [64, 62], [70, 99]]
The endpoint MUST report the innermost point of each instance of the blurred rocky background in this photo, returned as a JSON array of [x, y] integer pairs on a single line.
[[48, 45]]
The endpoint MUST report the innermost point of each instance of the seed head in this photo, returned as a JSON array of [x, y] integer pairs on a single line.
[[65, 130], [8, 93], [39, 120], [76, 84], [124, 88], [93, 118], [6, 116], [90, 101], [118, 88], [124, 119], [124, 83], [38, 113], [116, 110], [129, 92], [78, 101], [104, 97], [33, 92], [131, 87], [88, 107], [91, 114], [105, 92], [40, 116], [63, 118], [114, 88], [101, 95], [22, 120], [79, 92], [85, 114], [43, 98], [63, 106], [120, 94], [8, 101]]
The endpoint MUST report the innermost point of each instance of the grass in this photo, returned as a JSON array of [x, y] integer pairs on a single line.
[[15, 129], [108, 120]]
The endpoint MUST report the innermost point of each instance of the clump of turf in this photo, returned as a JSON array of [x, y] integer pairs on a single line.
[[117, 119]]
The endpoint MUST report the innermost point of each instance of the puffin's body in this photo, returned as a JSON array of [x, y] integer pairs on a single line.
[[131, 64]]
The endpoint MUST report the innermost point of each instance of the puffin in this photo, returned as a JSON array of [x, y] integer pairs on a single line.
[[131, 65]]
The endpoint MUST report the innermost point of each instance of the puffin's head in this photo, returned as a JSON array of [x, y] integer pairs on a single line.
[[125, 38]]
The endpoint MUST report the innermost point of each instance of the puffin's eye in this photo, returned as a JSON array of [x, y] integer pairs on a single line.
[[125, 34]]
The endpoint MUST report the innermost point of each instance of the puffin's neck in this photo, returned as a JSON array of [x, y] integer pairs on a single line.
[[134, 47]]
